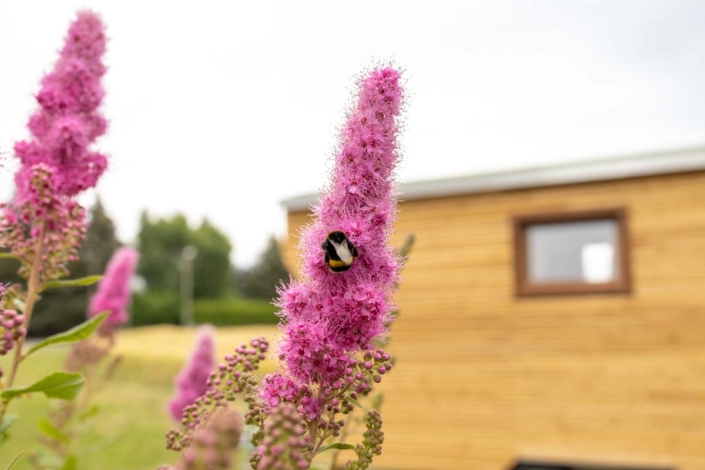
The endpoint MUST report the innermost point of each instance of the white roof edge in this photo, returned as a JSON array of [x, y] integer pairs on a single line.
[[631, 166]]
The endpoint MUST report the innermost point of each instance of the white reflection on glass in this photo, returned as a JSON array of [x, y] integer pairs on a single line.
[[582, 251]]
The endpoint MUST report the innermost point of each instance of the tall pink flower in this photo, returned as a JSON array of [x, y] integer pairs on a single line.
[[67, 120], [192, 381], [329, 316], [114, 289]]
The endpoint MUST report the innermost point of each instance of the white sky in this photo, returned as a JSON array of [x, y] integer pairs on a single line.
[[224, 108]]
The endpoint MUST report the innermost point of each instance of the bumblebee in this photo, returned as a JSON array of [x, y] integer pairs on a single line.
[[339, 252]]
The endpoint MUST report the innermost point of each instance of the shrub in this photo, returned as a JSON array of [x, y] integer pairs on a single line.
[[235, 311], [153, 308]]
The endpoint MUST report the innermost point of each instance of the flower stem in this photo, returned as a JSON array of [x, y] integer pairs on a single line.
[[32, 296]]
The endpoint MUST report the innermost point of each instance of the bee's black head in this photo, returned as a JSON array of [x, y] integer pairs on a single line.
[[337, 236]]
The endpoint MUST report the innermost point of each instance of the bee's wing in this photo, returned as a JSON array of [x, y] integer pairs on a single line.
[[353, 250]]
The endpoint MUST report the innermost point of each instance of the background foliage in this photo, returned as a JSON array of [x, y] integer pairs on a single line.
[[161, 242], [262, 279]]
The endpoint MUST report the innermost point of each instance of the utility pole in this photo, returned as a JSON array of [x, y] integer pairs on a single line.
[[188, 254]]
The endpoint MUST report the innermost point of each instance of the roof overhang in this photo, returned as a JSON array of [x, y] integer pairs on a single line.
[[631, 166]]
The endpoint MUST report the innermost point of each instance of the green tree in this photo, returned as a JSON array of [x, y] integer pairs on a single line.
[[262, 279], [161, 242], [212, 264]]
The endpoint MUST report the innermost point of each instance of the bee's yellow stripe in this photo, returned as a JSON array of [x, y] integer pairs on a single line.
[[334, 263]]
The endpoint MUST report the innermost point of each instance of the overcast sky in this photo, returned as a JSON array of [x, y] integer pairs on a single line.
[[221, 109]]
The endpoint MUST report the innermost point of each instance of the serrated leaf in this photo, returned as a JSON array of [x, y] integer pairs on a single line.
[[80, 282], [337, 445], [13, 461], [52, 431], [63, 385], [77, 333]]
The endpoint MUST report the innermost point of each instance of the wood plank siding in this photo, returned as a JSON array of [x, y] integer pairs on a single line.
[[484, 377]]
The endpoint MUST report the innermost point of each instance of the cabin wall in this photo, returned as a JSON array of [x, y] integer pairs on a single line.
[[484, 378]]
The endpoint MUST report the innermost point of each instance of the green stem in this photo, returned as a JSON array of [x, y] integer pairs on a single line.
[[343, 436], [33, 287]]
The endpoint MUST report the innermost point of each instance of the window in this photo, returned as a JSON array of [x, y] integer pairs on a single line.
[[572, 253]]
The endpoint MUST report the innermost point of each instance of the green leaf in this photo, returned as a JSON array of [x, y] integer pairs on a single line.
[[101, 445], [63, 385], [12, 462], [10, 256], [356, 403], [71, 463], [77, 333], [80, 282], [377, 401], [337, 445], [47, 459], [89, 413], [7, 421], [19, 303], [52, 431]]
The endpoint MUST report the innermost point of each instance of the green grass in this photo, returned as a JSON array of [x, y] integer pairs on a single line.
[[133, 416]]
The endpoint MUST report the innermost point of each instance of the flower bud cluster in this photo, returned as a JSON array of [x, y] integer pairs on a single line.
[[11, 326], [231, 377], [213, 446], [285, 445], [46, 220], [12, 329], [371, 443]]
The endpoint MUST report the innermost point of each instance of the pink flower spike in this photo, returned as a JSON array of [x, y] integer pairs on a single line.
[[192, 381], [114, 289], [67, 121], [330, 315]]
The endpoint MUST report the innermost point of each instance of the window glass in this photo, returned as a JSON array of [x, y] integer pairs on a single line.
[[577, 251]]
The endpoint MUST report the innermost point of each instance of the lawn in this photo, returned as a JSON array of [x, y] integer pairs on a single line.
[[128, 433]]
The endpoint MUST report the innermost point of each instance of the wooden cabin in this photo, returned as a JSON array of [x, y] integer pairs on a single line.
[[551, 318]]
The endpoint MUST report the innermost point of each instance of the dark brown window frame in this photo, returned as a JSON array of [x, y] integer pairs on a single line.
[[525, 288], [530, 464]]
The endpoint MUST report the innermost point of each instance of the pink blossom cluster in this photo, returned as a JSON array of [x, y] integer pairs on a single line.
[[44, 225], [192, 381], [67, 121], [328, 317], [114, 292]]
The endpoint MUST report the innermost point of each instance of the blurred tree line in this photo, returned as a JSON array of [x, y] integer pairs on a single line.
[[161, 242], [246, 293]]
